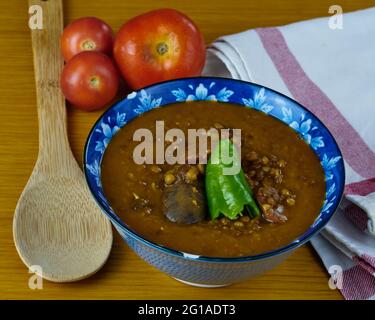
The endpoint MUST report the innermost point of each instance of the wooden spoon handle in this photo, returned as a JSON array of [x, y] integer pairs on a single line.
[[48, 62]]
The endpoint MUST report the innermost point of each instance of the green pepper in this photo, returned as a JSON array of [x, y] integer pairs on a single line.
[[228, 194]]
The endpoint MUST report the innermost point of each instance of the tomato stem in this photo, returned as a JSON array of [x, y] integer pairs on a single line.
[[162, 48], [88, 45], [94, 82]]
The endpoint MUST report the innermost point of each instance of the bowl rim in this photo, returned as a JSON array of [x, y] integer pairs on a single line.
[[294, 244]]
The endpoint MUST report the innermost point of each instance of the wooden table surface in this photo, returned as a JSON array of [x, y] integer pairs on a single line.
[[125, 276]]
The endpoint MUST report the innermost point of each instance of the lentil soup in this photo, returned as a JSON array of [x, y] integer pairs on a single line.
[[284, 174]]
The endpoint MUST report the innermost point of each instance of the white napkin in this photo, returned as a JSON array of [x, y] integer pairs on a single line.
[[332, 73]]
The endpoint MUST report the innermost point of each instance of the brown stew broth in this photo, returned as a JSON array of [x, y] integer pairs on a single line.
[[135, 191]]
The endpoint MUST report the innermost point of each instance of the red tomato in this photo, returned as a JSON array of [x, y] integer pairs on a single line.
[[159, 45], [86, 34], [89, 80]]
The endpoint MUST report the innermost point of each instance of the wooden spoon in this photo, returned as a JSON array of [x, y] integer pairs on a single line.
[[57, 224]]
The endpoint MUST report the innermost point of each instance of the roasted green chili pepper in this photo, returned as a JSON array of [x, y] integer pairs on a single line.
[[228, 193]]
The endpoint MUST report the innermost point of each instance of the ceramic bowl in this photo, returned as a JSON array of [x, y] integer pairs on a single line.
[[201, 270]]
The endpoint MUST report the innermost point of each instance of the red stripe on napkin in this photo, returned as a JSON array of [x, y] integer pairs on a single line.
[[370, 260], [357, 216], [358, 284], [362, 188], [356, 152], [365, 264]]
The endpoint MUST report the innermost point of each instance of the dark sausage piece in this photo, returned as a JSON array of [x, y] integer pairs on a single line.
[[184, 202]]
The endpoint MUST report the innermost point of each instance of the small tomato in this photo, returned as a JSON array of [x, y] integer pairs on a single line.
[[86, 34], [89, 80]]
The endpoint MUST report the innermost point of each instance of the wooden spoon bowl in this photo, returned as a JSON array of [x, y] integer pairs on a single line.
[[57, 226]]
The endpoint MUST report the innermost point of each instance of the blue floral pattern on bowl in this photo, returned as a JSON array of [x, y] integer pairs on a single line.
[[199, 269]]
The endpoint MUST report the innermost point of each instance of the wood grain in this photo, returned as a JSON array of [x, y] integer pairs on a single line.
[[125, 276], [54, 155], [57, 224]]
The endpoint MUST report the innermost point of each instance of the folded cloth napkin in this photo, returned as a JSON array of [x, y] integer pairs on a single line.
[[332, 73]]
